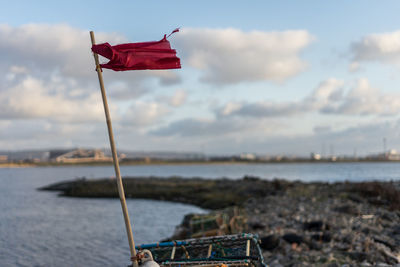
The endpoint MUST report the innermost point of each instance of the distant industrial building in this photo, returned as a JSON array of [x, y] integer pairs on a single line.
[[315, 156], [391, 155], [248, 156], [3, 158], [82, 156]]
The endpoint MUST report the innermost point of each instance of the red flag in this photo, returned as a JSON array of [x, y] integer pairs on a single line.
[[139, 56]]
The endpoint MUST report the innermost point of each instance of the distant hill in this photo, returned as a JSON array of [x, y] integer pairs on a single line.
[[26, 155], [164, 155]]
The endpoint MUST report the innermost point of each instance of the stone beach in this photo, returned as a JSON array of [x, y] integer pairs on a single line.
[[326, 228]]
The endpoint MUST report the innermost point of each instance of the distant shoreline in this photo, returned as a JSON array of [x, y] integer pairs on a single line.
[[17, 165], [180, 162]]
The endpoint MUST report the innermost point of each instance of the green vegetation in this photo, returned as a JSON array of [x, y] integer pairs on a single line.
[[205, 193]]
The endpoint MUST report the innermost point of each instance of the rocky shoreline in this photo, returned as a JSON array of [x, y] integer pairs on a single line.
[[300, 224], [325, 228]]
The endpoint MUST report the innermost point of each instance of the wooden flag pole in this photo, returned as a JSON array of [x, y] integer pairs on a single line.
[[115, 158]]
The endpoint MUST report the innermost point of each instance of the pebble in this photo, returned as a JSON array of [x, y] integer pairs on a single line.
[[328, 229], [269, 242]]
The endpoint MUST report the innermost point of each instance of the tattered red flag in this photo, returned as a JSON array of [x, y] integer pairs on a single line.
[[139, 56]]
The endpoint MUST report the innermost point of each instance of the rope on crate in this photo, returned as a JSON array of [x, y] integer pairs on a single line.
[[218, 246], [186, 252]]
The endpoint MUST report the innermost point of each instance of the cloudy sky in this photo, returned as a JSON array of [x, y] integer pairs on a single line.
[[282, 77]]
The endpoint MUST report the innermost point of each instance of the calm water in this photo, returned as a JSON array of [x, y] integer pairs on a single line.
[[41, 229]]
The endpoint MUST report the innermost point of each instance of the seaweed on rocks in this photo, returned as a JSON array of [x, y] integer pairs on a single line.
[[205, 193]]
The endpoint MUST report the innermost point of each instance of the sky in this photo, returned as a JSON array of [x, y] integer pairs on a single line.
[[265, 77]]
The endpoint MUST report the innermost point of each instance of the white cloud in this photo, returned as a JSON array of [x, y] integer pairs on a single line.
[[384, 48], [195, 127], [329, 97], [30, 98], [166, 77], [40, 133], [233, 135], [322, 129], [145, 113], [261, 109], [327, 93], [47, 48], [228, 56], [365, 100], [18, 69], [215, 128], [230, 108], [354, 66], [178, 99], [270, 127]]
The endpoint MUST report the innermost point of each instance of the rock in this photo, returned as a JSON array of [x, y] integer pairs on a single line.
[[385, 241], [355, 198], [293, 238], [269, 242], [342, 247], [323, 237], [275, 263], [348, 239], [365, 264], [314, 245], [370, 230], [256, 225], [377, 201], [315, 226], [388, 216], [396, 230], [357, 256], [347, 208]]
